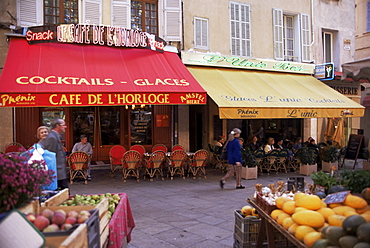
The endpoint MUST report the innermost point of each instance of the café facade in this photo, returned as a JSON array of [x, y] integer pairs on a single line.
[[118, 86], [267, 98]]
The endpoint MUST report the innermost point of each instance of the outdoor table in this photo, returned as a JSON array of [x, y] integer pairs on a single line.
[[267, 227], [121, 223]]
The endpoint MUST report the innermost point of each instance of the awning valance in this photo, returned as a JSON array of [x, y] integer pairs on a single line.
[[56, 74], [357, 70], [366, 101], [252, 95]]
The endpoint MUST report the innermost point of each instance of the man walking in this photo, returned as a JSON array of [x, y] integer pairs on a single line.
[[53, 144]]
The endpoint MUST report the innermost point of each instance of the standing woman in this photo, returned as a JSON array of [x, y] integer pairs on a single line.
[[234, 158], [42, 133]]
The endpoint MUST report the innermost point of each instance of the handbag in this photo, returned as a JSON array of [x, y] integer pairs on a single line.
[[223, 155]]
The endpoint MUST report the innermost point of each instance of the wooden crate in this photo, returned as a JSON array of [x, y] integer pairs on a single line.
[[57, 199], [307, 170], [326, 166], [77, 239], [33, 207]]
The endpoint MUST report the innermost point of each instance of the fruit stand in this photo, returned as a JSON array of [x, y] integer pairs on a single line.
[[113, 230], [269, 224]]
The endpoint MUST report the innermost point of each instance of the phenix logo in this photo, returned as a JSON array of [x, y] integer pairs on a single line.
[[247, 112], [20, 99], [193, 98]]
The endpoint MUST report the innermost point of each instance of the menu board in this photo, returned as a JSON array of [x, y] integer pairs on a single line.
[[355, 143], [141, 127]]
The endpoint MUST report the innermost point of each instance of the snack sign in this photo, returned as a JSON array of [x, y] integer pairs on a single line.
[[96, 35]]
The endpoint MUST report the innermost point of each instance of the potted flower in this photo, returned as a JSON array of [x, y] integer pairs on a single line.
[[366, 162], [330, 156], [21, 180], [249, 168], [307, 157]]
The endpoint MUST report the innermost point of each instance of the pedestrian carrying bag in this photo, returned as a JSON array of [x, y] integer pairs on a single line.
[[223, 155]]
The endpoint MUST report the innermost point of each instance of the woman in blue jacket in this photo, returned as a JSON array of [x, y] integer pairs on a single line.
[[234, 158]]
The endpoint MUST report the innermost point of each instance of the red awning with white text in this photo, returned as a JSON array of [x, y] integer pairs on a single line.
[[57, 74]]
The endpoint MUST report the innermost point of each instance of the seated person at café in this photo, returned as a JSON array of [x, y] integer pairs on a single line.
[[219, 144], [297, 144], [84, 146], [253, 144], [269, 146], [312, 144], [280, 145]]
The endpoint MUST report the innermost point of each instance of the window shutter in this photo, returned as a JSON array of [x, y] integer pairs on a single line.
[[92, 11], [277, 17], [305, 37], [201, 33], [30, 13], [245, 30], [368, 16], [172, 20], [121, 16]]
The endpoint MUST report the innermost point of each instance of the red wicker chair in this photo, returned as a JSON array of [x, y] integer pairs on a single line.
[[78, 164], [13, 147], [130, 165], [177, 163], [160, 147], [154, 165], [178, 147], [115, 157], [198, 164]]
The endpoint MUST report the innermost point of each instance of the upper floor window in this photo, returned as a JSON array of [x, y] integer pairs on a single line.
[[60, 11], [144, 15], [327, 41], [291, 36], [201, 33], [240, 29]]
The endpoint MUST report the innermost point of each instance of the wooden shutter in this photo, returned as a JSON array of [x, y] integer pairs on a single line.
[[172, 20], [277, 18], [121, 15], [245, 30], [305, 38], [92, 11], [30, 13]]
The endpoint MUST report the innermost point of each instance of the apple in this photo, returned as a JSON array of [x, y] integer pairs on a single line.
[[71, 220], [51, 228], [82, 218], [72, 213], [58, 218], [85, 212], [66, 227], [48, 213], [41, 222], [31, 217]]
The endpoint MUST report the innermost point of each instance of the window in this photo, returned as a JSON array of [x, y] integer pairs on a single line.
[[240, 29], [368, 16], [327, 41], [144, 16], [291, 36], [201, 33], [59, 11]]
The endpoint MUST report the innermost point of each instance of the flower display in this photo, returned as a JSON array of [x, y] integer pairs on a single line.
[[21, 181]]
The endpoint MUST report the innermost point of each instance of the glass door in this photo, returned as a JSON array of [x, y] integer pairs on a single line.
[[83, 122]]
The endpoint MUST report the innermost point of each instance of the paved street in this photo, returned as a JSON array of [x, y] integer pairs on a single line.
[[180, 213]]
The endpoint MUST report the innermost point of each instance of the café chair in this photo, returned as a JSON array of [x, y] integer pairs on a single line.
[[13, 147], [78, 164], [282, 159], [160, 147], [130, 165], [260, 159], [178, 147], [198, 164], [115, 158], [139, 148], [177, 162], [154, 165], [271, 161]]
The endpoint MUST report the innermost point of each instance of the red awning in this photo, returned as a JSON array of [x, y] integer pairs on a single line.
[[57, 74], [366, 102]]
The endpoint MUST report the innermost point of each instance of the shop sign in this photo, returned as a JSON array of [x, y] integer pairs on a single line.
[[324, 71], [95, 35], [205, 59], [346, 90], [289, 113], [103, 99]]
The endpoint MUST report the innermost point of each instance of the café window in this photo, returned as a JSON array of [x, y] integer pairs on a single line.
[[60, 11], [83, 123], [110, 132], [49, 114], [144, 16], [141, 125]]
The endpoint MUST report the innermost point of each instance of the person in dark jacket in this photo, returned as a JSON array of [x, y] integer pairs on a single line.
[[234, 159], [53, 144]]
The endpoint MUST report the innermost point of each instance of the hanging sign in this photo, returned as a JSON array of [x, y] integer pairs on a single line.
[[95, 35], [324, 71]]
